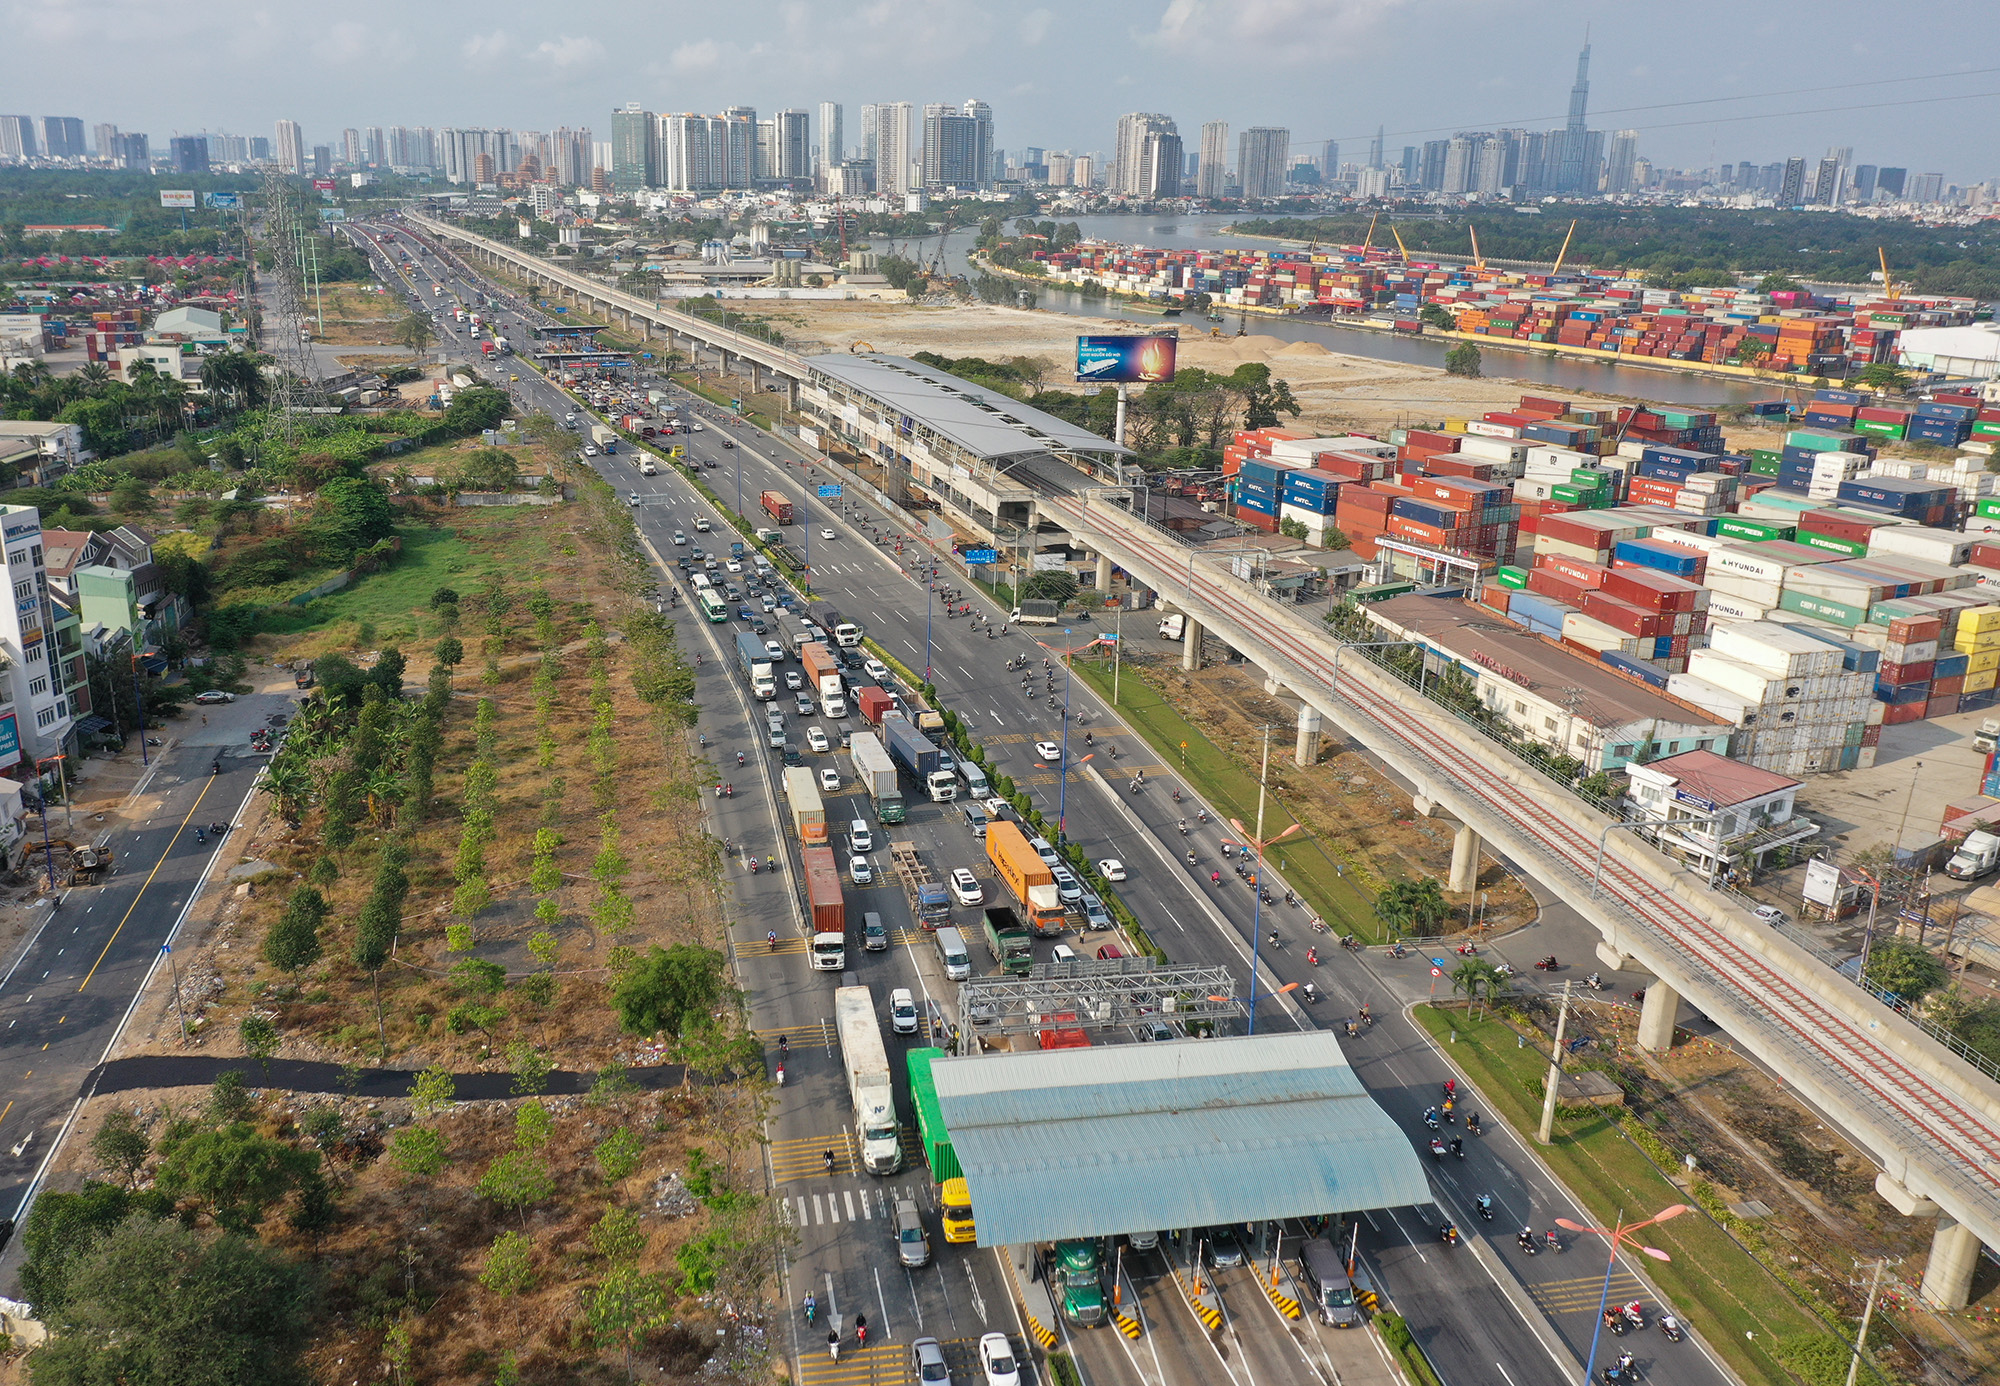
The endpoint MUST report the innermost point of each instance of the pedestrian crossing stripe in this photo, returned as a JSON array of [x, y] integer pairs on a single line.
[[1127, 1325], [1281, 1301], [817, 1033], [857, 1366], [835, 1206], [1585, 1294]]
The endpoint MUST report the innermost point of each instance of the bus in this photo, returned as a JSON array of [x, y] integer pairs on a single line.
[[712, 606]]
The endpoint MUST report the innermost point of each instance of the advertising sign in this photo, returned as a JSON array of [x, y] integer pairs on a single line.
[[1822, 882], [1051, 563], [324, 184], [1124, 360], [10, 739], [223, 201], [177, 197]]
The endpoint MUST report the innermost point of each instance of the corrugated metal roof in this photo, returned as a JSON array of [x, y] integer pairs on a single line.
[[984, 422], [1135, 1137]]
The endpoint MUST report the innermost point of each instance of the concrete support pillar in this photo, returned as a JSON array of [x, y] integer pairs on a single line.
[[1191, 645], [1103, 576], [1954, 1254], [1613, 960], [1656, 1017], [756, 377], [1307, 750], [1465, 846]]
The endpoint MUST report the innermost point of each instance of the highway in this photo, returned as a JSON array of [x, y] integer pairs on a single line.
[[1473, 1308]]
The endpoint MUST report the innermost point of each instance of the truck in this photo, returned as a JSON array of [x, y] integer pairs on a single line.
[[874, 703], [877, 774], [843, 632], [486, 349], [803, 802], [929, 721], [1035, 613], [605, 436], [1027, 877], [1006, 940], [823, 677], [647, 467], [1975, 857], [1173, 627], [827, 906], [1076, 1275], [756, 664], [954, 1198], [500, 346], [868, 1081], [912, 750], [793, 633], [777, 505], [930, 905]]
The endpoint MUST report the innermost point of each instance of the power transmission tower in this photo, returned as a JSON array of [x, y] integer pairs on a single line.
[[297, 377]]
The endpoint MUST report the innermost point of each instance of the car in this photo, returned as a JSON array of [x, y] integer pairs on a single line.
[[805, 702], [829, 778], [816, 739], [861, 871], [1770, 914], [590, 449], [679, 538], [825, 532], [1067, 888], [1095, 916], [215, 695], [902, 1011], [709, 462], [996, 1359], [744, 613], [1111, 869], [770, 606], [774, 650], [859, 838], [1048, 750], [996, 808], [697, 428], [709, 565], [794, 681], [697, 555], [1044, 849], [727, 443], [701, 524], [966, 886], [1224, 1249], [874, 934], [928, 1356], [875, 669], [631, 498]]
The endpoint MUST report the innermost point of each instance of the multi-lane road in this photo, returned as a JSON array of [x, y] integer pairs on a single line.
[[1481, 1311]]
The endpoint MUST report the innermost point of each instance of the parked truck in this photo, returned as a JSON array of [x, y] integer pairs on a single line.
[[930, 904], [929, 721], [1027, 877], [777, 505], [1035, 613], [1975, 857], [868, 1083], [839, 629], [938, 1153], [823, 678], [827, 906], [1006, 940], [756, 662], [912, 750], [877, 774], [1173, 627], [802, 801]]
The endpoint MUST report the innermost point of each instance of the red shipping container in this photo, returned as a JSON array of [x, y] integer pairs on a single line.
[[1984, 556], [1648, 588], [1919, 671], [1940, 707], [1895, 714], [1571, 532], [1872, 736], [1624, 616], [1267, 523], [1948, 687], [1429, 439], [1888, 416], [1585, 575], [1836, 526], [1914, 630]]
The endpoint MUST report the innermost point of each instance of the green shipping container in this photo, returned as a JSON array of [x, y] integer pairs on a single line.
[[1759, 467], [1757, 531], [1587, 476], [1986, 430], [1879, 428], [1988, 506], [1570, 495], [1812, 442], [1516, 578], [1770, 455], [1831, 544], [938, 1153], [1839, 613]]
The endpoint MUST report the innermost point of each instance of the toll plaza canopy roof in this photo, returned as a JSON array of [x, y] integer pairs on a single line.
[[986, 423], [1139, 1137]]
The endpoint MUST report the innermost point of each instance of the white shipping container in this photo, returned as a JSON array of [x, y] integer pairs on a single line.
[[1724, 607], [1491, 449], [1595, 635], [1732, 707], [1755, 561], [1777, 650], [1756, 685], [1482, 429], [1747, 589], [1939, 546]]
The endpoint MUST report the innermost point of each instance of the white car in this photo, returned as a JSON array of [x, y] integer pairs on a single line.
[[734, 565], [966, 887], [829, 778], [902, 1011], [590, 449], [825, 533], [875, 669], [696, 426], [1770, 914], [1111, 869], [631, 497], [816, 739], [996, 807], [1048, 750], [679, 539], [996, 1359], [860, 870], [793, 681]]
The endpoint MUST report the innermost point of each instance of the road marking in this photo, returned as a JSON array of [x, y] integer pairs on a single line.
[[149, 881], [850, 1204]]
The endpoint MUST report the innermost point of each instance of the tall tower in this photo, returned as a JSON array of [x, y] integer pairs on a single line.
[[1375, 149], [1212, 173], [1579, 95], [1571, 175]]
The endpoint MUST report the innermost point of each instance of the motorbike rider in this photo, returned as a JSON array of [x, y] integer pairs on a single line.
[[1486, 1205]]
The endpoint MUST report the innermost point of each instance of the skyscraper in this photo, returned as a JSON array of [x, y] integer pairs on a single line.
[[793, 147], [1889, 182], [742, 167], [951, 147], [350, 147], [1618, 162], [1864, 183], [831, 135], [189, 154], [103, 139], [870, 123], [1161, 176], [17, 137], [1926, 187], [1791, 191], [893, 152], [1129, 173], [985, 169], [635, 149], [1328, 161], [1576, 164], [290, 150], [1060, 170], [1375, 149], [1826, 184], [1212, 174], [693, 152], [1083, 171], [62, 137], [376, 148], [1260, 160]]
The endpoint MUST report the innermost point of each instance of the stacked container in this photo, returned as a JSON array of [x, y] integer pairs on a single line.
[[1978, 639]]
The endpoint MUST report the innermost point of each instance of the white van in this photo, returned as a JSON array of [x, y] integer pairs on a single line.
[[859, 838], [951, 949]]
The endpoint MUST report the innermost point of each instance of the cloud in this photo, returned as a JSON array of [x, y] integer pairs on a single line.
[[1035, 26], [569, 51], [1289, 30], [703, 56], [486, 48]]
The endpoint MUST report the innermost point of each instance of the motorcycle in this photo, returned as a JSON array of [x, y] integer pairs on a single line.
[[1486, 1207], [1215, 878], [1437, 1148], [1450, 1235], [199, 835], [1310, 993], [1614, 1323], [1312, 956], [1526, 1241], [1635, 1314], [1547, 964], [1458, 1147], [1398, 951], [755, 866], [1431, 1117], [1671, 1327], [1595, 982]]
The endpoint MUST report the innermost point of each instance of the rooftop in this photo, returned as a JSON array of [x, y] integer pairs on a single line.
[[1717, 779], [1184, 1133], [984, 422]]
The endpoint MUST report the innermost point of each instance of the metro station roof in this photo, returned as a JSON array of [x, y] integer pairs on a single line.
[[1183, 1133], [984, 422]]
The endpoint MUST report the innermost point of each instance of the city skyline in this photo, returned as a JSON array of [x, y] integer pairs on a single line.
[[1048, 89]]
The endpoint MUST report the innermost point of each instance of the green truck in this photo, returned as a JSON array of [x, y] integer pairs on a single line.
[[1007, 940], [1076, 1274], [938, 1153]]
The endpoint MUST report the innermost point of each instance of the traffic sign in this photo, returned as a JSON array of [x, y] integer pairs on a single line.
[[827, 492], [1107, 637], [978, 557], [1437, 972]]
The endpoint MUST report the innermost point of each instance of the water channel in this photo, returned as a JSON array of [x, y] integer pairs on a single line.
[[1206, 233]]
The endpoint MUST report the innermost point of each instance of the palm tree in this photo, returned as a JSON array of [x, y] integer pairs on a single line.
[[94, 376], [1476, 975]]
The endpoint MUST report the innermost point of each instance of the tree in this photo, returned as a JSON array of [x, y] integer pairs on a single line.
[[1464, 360], [450, 652], [260, 1037], [1882, 375], [420, 1152], [62, 1228], [618, 1235], [1751, 350], [1412, 906], [235, 1172], [414, 332], [120, 1145], [618, 1154], [1778, 282], [433, 1091], [517, 1180], [1904, 969], [668, 988], [531, 1068], [349, 515], [132, 496], [155, 1301], [489, 469], [532, 1125], [510, 1265], [1476, 977], [1438, 316], [627, 1305]]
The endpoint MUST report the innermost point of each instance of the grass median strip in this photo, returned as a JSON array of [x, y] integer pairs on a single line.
[[1739, 1308]]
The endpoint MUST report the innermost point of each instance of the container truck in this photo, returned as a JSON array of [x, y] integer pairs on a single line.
[[877, 774], [604, 435], [823, 677], [868, 1084], [930, 904], [929, 721], [1034, 613], [1026, 876], [795, 634], [1006, 940], [938, 1153], [910, 749], [829, 911], [777, 505], [750, 653], [874, 703], [839, 629], [803, 801], [1173, 627], [1076, 1274], [486, 349], [1977, 855], [647, 467]]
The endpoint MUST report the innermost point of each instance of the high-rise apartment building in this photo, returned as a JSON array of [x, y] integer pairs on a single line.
[[1371, 182], [635, 149], [985, 156], [741, 170], [322, 161], [1160, 165], [1061, 170], [766, 162], [1083, 171], [1925, 188], [290, 147], [1864, 183], [694, 152], [17, 137], [793, 153], [569, 158], [1890, 182], [831, 149], [951, 148], [1792, 189], [188, 154], [351, 152], [1826, 183], [102, 138], [41, 709], [1618, 161], [1129, 172], [1260, 160], [134, 151], [1328, 159], [895, 155], [374, 147], [1212, 174], [62, 138]]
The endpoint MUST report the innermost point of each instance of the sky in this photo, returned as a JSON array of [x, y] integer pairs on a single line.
[[1922, 93]]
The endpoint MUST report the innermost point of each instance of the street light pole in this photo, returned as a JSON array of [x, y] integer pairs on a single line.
[[1062, 783]]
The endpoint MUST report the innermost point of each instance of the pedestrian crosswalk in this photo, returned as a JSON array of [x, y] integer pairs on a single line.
[[804, 1157], [862, 1204], [1585, 1294]]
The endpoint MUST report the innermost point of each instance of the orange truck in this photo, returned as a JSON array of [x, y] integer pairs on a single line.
[[1027, 876]]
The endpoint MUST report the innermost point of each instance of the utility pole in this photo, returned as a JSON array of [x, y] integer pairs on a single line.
[[1867, 1313], [1545, 1134]]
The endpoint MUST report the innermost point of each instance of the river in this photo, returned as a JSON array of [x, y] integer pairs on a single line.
[[1206, 233]]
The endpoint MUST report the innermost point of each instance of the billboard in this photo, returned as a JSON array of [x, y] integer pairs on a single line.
[[223, 201], [177, 197], [1123, 360]]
